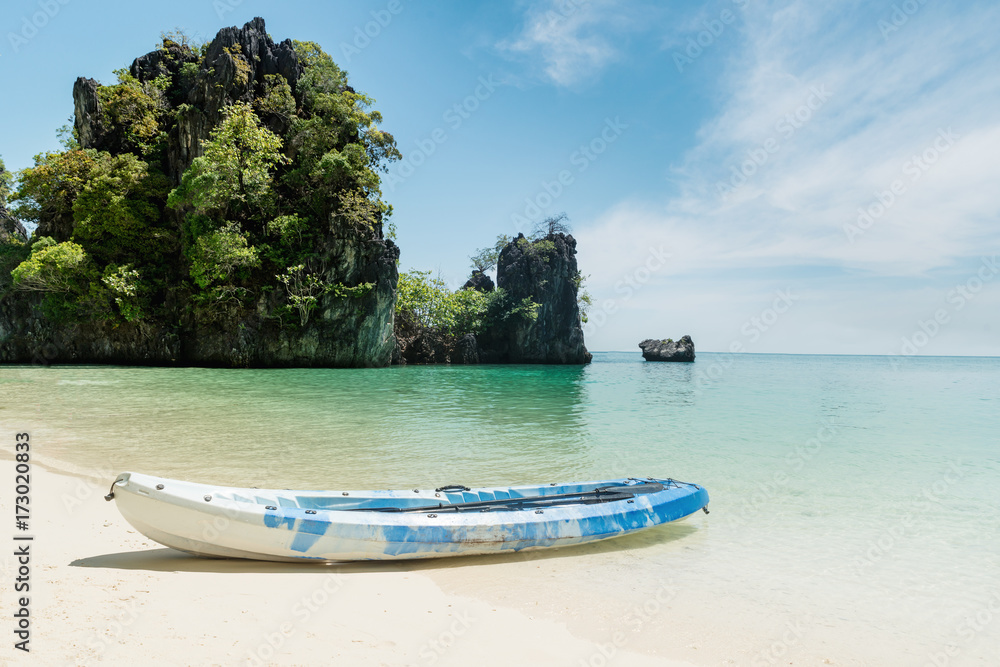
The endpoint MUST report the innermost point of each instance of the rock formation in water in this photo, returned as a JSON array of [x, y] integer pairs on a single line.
[[220, 206], [668, 350], [288, 267], [531, 316], [543, 270], [428, 346]]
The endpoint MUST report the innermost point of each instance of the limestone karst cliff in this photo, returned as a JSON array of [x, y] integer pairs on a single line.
[[545, 271], [221, 206]]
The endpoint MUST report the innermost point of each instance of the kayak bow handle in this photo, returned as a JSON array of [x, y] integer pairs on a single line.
[[452, 488]]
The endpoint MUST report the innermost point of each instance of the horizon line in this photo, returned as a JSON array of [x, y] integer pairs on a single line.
[[826, 354]]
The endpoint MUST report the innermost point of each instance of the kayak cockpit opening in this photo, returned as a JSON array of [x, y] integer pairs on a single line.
[[602, 494], [456, 498]]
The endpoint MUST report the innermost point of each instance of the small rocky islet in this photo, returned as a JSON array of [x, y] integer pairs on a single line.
[[668, 349]]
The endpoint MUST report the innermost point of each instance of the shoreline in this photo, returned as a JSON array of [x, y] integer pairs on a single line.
[[101, 592]]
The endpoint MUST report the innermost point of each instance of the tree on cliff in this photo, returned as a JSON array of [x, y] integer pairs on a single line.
[[555, 224], [228, 187], [206, 176], [12, 233], [98, 217], [52, 267], [533, 314], [485, 259], [428, 304], [234, 176], [5, 182]]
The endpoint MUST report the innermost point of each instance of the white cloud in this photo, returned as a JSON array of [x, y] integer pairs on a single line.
[[572, 39], [890, 99], [887, 103]]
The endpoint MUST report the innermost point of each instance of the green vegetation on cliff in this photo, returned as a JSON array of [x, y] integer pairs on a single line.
[[5, 182], [531, 315], [426, 303], [221, 204], [206, 184], [12, 247]]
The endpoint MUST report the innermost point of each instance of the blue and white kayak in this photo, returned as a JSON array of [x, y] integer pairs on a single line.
[[230, 522]]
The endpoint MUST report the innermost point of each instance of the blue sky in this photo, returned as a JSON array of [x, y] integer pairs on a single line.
[[764, 176]]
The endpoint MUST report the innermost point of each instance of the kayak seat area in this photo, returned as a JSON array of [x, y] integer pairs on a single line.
[[515, 493], [337, 501]]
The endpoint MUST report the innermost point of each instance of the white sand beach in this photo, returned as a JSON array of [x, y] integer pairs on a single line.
[[103, 594]]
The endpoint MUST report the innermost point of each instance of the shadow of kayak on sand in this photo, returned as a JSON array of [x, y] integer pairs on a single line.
[[171, 560]]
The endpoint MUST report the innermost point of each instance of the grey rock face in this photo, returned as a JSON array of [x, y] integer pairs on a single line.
[[87, 108], [221, 82], [218, 82], [11, 227], [479, 281], [431, 347], [341, 331], [466, 350], [668, 350], [546, 272]]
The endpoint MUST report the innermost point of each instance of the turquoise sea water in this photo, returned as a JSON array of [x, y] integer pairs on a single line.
[[853, 492]]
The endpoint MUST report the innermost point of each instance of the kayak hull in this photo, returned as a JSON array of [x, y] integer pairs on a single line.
[[230, 522]]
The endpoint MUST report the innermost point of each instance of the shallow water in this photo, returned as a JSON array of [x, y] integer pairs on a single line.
[[848, 491]]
